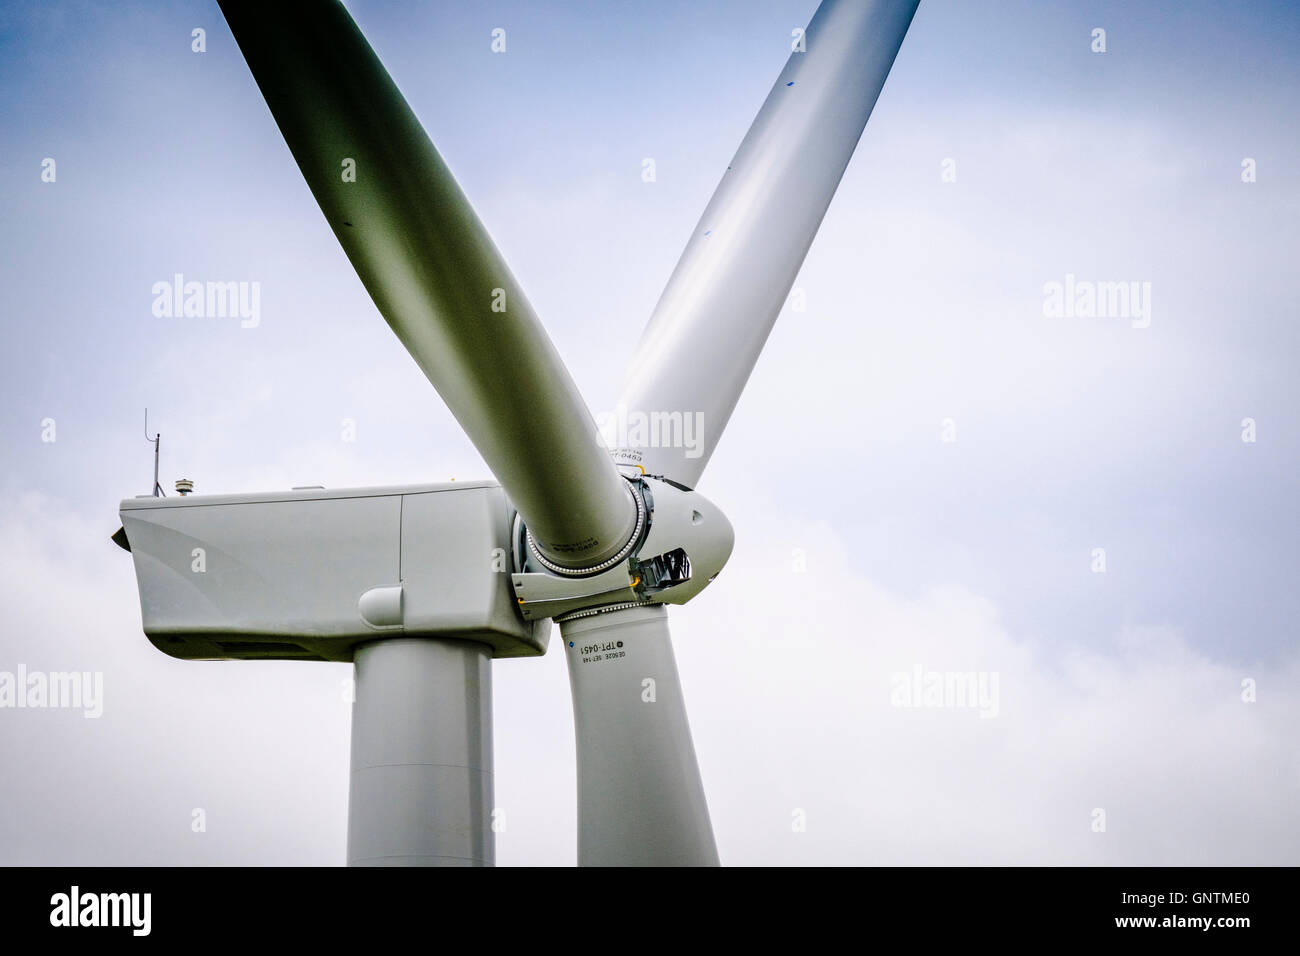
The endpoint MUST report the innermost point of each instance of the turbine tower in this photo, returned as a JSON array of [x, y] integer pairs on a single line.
[[421, 586]]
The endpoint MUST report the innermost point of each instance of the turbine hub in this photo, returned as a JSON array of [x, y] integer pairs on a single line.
[[681, 542]]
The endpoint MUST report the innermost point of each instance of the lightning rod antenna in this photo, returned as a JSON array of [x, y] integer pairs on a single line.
[[157, 440]]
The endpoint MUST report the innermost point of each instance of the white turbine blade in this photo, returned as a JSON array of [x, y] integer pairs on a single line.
[[723, 297], [433, 271], [640, 798]]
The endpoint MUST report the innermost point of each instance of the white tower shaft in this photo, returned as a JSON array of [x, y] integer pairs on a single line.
[[421, 790]]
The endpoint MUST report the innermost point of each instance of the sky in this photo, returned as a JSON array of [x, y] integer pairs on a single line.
[[922, 472]]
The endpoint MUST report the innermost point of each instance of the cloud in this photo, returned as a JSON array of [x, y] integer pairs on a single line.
[[789, 685]]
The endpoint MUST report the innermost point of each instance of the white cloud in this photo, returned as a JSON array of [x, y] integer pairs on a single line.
[[788, 677]]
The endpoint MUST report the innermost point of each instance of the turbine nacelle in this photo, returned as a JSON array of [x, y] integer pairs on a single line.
[[312, 574]]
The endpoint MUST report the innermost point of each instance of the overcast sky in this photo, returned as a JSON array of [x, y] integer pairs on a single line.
[[866, 544]]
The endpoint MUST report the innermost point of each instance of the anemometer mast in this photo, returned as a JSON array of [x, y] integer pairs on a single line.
[[157, 491]]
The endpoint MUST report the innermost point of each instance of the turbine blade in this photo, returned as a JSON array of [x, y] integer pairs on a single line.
[[434, 273], [723, 297], [640, 798]]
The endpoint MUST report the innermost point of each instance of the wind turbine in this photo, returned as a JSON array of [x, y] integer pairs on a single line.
[[420, 586]]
